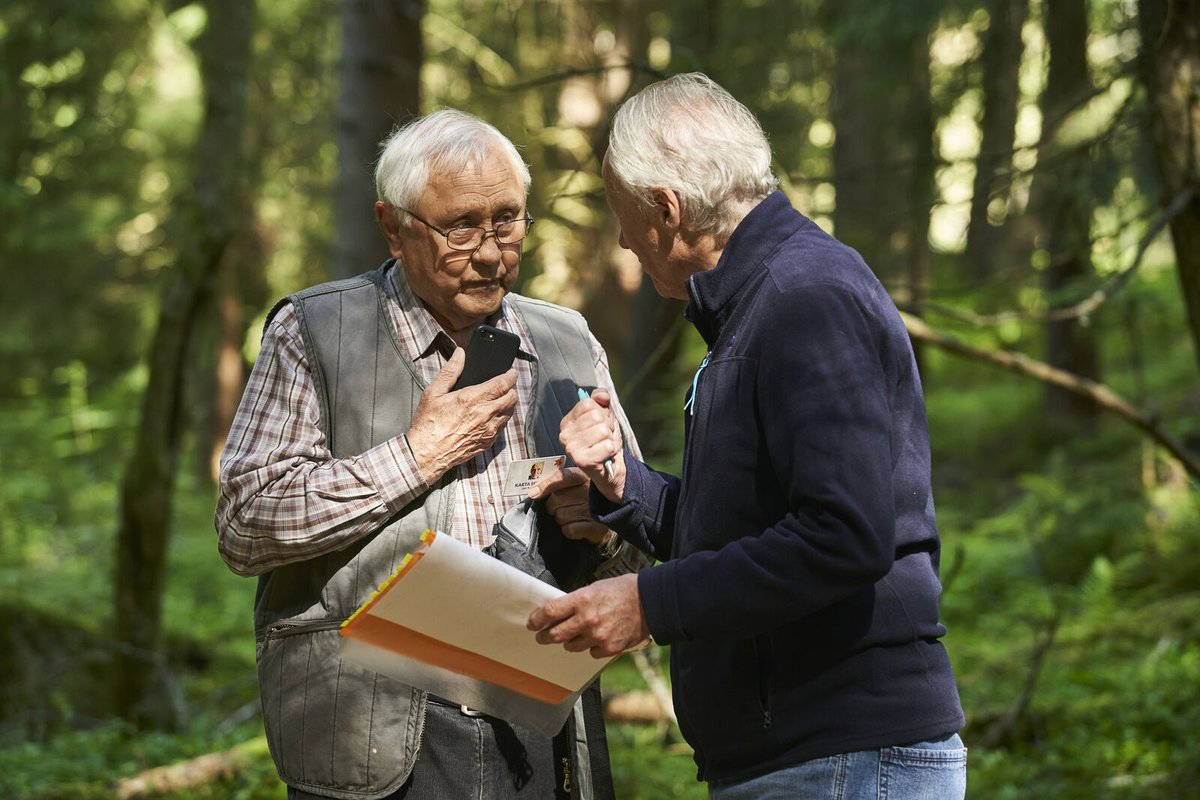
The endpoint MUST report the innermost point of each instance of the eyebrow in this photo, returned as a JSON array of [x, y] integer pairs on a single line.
[[472, 213]]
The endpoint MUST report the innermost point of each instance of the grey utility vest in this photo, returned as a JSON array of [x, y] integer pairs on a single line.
[[333, 727]]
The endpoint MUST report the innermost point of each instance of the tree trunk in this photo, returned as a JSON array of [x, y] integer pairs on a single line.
[[218, 368], [881, 110], [860, 153], [922, 185], [1002, 49], [191, 774], [207, 222], [1170, 63], [1064, 211], [228, 376], [380, 85], [217, 365]]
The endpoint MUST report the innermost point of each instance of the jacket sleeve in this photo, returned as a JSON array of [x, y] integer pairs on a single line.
[[646, 519]]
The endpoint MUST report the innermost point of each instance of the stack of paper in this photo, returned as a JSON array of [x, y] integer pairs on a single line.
[[451, 621]]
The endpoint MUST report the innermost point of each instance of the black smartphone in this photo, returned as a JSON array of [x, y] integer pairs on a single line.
[[489, 353]]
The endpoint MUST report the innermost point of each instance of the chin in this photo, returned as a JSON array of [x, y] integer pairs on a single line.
[[477, 312], [669, 292]]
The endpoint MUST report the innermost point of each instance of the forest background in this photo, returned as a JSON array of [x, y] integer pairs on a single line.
[[1022, 174]]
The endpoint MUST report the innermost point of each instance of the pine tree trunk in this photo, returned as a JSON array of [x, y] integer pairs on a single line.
[[655, 333], [1171, 71], [380, 86], [922, 186], [1002, 49], [862, 160], [882, 156], [207, 222], [1064, 210]]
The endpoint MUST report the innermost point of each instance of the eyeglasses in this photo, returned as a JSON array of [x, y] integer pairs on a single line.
[[468, 237]]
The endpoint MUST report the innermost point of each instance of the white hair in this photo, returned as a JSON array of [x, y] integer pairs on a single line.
[[448, 140], [688, 134]]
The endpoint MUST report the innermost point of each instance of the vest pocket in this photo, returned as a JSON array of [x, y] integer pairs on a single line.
[[330, 724]]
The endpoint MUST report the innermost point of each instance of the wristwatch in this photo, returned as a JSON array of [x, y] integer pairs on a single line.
[[611, 546]]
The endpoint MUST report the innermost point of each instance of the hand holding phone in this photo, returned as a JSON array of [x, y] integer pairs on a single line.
[[489, 353], [448, 428]]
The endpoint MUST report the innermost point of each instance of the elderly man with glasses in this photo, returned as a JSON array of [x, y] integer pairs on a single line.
[[350, 441]]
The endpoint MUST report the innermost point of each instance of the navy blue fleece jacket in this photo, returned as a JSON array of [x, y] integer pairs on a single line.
[[798, 588]]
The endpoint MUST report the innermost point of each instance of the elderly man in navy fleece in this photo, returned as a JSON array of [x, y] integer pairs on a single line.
[[798, 587]]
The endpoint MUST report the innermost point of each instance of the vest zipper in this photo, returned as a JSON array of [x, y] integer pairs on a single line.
[[420, 723]]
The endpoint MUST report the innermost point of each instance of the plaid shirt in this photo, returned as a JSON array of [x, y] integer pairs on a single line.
[[285, 498]]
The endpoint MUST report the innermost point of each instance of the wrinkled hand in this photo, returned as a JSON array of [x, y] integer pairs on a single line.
[[604, 618], [591, 435], [566, 493], [450, 427]]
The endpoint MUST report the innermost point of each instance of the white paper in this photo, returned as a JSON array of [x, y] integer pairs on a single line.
[[464, 597], [467, 599]]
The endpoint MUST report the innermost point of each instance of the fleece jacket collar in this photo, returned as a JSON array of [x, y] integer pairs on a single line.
[[714, 293]]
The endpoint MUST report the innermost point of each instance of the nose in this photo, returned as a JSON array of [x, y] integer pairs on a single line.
[[488, 251]]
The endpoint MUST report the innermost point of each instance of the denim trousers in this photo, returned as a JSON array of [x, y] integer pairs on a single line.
[[933, 770], [476, 757]]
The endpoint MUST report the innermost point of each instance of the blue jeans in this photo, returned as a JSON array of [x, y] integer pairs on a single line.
[[933, 770]]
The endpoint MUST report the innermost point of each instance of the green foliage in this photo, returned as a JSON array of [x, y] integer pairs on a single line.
[[85, 765], [648, 765], [1071, 558], [1111, 718], [648, 761], [72, 187], [1078, 560]]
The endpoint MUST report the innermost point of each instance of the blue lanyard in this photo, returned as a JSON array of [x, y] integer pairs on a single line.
[[690, 405]]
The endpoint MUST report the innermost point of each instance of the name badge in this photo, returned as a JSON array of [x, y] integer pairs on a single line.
[[524, 473]]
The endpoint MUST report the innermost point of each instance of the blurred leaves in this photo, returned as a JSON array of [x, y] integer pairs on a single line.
[[1095, 537]]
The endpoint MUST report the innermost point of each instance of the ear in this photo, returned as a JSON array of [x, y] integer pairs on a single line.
[[389, 223], [667, 207]]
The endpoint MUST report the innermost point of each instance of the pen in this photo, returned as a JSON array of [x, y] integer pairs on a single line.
[[608, 467]]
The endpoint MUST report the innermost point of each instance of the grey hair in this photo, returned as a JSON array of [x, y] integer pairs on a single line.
[[688, 134], [448, 139]]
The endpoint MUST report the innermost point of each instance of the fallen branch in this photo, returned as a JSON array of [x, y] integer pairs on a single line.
[[1100, 394], [634, 707], [658, 687], [189, 774]]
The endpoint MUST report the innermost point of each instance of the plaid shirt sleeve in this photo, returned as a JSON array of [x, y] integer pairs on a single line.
[[283, 496]]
